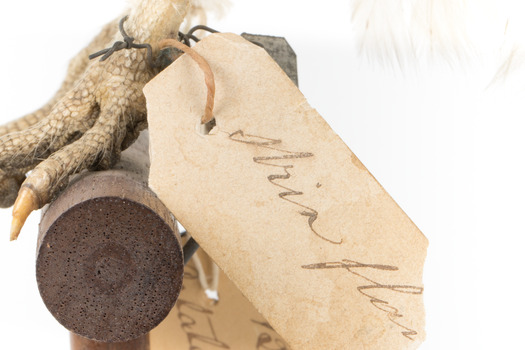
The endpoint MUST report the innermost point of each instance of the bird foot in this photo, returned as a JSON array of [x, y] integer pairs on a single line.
[[98, 112]]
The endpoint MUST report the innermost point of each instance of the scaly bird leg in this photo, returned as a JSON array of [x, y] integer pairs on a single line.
[[100, 115], [98, 145], [10, 182], [76, 68]]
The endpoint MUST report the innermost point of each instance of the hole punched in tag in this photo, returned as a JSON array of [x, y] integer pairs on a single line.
[[207, 122]]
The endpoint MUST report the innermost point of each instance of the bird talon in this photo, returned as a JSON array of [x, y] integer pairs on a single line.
[[97, 112], [26, 202]]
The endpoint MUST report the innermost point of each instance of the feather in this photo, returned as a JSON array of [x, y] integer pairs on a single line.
[[406, 30], [513, 48], [382, 30], [401, 32], [439, 28], [201, 9]]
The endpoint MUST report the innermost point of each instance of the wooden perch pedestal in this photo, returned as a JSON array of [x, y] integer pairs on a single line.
[[80, 343], [109, 259]]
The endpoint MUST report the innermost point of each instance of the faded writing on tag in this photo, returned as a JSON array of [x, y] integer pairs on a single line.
[[196, 320], [273, 161], [197, 323], [367, 290], [278, 201], [268, 339]]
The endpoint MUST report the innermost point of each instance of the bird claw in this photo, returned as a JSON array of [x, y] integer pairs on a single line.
[[97, 113], [26, 202]]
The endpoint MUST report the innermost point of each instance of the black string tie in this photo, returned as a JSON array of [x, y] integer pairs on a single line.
[[122, 45]]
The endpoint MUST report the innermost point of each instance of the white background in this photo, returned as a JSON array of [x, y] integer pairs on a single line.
[[447, 148]]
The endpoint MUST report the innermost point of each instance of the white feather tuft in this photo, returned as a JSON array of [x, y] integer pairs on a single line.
[[406, 31], [512, 66], [200, 10], [513, 48], [439, 28], [383, 31]]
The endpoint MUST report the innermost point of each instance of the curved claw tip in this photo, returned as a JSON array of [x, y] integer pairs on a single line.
[[25, 203], [16, 227]]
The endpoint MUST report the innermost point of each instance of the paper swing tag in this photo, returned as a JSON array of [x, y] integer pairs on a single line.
[[197, 322], [282, 205]]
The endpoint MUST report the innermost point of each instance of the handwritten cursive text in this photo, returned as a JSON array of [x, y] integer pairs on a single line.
[[275, 161], [367, 289], [192, 315]]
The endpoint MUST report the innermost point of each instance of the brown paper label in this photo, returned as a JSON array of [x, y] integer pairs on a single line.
[[282, 205], [197, 322]]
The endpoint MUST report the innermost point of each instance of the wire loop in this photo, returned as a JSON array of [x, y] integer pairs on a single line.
[[126, 44]]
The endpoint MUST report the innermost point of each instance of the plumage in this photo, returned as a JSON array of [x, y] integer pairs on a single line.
[[408, 32]]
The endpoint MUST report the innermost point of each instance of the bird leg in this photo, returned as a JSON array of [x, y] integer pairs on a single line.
[[10, 181], [99, 111]]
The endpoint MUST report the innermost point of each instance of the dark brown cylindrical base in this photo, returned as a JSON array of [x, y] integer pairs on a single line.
[[80, 343], [109, 259]]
